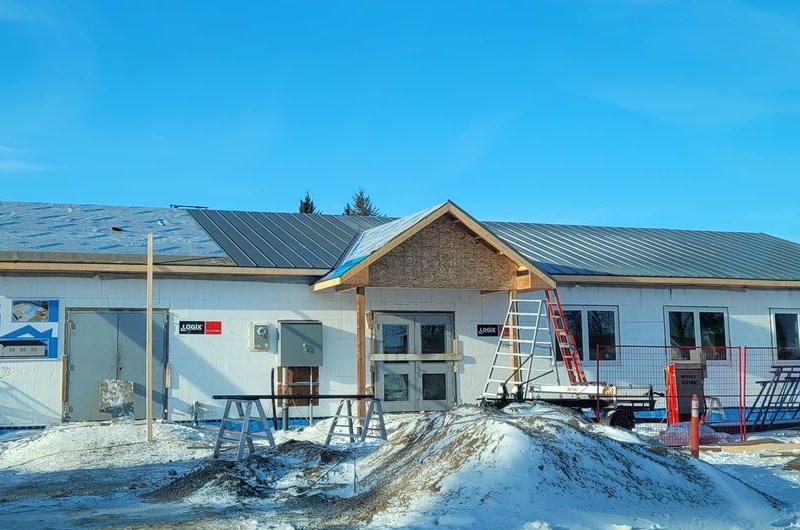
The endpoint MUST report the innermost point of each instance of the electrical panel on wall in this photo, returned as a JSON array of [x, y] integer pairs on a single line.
[[259, 336], [300, 343]]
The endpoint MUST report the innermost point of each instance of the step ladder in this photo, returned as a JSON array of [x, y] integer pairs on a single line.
[[244, 407], [524, 350], [564, 339], [778, 400], [345, 424]]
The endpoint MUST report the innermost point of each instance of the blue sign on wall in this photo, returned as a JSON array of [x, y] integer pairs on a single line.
[[29, 321]]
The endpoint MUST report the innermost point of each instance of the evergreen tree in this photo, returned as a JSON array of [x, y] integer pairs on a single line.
[[362, 204], [307, 205]]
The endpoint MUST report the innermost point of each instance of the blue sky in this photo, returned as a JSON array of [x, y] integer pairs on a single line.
[[651, 113]]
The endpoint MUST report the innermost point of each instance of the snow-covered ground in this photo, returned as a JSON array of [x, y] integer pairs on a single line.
[[528, 467]]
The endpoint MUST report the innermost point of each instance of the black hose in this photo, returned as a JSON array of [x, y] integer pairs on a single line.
[[272, 391]]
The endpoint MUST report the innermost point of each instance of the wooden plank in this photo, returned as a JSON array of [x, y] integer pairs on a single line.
[[361, 346], [360, 279], [161, 269], [416, 357], [148, 362], [524, 281], [64, 370]]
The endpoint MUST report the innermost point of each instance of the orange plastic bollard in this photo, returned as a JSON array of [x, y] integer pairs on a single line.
[[694, 429]]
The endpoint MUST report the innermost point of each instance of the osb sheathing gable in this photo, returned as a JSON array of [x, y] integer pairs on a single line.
[[444, 254]]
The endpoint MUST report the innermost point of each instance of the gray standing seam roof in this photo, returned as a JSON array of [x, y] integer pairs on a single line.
[[278, 240], [651, 252], [313, 241], [336, 242]]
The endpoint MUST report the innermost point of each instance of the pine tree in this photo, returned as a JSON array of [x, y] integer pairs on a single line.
[[362, 204], [307, 205]]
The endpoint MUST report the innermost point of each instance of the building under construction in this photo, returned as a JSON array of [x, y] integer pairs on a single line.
[[417, 310]]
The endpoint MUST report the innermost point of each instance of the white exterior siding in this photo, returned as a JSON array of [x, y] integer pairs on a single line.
[[203, 365], [641, 310]]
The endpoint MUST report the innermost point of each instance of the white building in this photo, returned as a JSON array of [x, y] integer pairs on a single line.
[[398, 302]]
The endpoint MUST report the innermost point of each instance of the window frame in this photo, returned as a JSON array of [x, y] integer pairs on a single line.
[[586, 355], [415, 320], [774, 329], [696, 310]]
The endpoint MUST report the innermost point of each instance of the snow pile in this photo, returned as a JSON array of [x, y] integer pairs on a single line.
[[527, 467], [89, 445], [540, 465]]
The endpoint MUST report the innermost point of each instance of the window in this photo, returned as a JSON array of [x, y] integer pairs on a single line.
[[690, 328], [595, 330], [395, 338], [395, 387], [414, 333], [787, 334]]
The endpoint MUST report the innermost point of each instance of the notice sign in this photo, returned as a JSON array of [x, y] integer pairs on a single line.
[[192, 327], [200, 327], [488, 330]]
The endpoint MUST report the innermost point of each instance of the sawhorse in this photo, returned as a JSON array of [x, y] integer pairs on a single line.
[[244, 406], [374, 412]]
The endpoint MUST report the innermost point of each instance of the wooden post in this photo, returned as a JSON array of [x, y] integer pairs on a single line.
[[361, 347], [148, 363]]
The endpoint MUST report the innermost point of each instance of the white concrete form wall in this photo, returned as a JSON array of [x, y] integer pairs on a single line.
[[641, 320], [203, 365]]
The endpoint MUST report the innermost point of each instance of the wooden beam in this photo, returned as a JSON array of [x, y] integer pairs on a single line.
[[141, 268], [148, 341], [359, 280], [524, 281], [64, 370], [657, 281], [361, 348]]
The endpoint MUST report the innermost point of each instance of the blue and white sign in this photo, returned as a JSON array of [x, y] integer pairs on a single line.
[[28, 328]]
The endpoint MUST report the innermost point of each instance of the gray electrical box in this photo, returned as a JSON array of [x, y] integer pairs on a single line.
[[299, 343]]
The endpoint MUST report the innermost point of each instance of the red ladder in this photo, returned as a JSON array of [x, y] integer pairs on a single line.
[[564, 339]]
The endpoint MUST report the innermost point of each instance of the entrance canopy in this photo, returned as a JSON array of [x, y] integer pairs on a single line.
[[440, 247]]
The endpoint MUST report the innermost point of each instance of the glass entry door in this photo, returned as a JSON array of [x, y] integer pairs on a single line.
[[414, 371]]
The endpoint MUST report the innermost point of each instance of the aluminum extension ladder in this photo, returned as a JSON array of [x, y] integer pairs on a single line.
[[564, 339], [524, 350], [368, 430]]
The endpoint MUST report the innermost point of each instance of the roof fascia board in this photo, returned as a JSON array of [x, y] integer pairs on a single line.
[[657, 281], [135, 268]]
